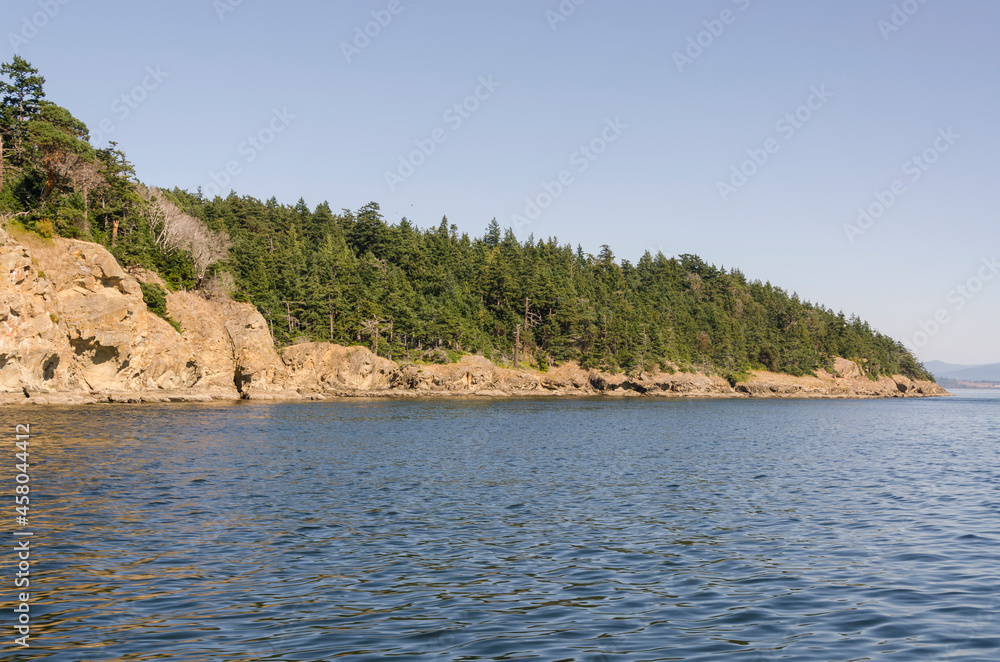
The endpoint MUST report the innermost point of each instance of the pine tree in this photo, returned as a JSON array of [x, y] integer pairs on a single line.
[[21, 102]]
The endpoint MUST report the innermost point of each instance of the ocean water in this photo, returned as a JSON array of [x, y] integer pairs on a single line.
[[586, 529]]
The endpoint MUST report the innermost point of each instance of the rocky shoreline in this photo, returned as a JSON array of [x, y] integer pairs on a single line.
[[74, 330]]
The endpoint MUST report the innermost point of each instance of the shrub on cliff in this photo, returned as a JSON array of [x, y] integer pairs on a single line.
[[156, 301]]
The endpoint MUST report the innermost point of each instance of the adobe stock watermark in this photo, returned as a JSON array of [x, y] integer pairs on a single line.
[[581, 159], [787, 126], [714, 28], [900, 16], [248, 149], [123, 106], [363, 35], [455, 116], [980, 626], [31, 25], [957, 298], [913, 169], [775, 651], [21, 561], [223, 7], [562, 13]]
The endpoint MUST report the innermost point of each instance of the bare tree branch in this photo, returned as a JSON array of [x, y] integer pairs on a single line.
[[187, 233]]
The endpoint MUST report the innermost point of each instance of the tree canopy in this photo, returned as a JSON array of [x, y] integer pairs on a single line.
[[353, 277]]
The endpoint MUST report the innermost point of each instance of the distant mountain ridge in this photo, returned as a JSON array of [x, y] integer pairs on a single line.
[[974, 373]]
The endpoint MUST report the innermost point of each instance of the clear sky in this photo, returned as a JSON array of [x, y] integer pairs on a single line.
[[747, 132]]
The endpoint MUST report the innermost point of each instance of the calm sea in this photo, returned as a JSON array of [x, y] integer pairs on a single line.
[[587, 529]]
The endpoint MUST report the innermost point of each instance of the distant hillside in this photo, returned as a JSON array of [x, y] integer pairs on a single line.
[[974, 373], [942, 368]]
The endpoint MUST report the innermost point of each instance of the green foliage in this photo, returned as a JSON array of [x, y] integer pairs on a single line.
[[45, 228], [416, 294], [353, 278], [155, 298], [738, 376], [156, 301], [21, 96], [426, 288], [439, 356], [542, 362], [61, 186]]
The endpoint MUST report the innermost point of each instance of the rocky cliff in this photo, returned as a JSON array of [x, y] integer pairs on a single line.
[[74, 329]]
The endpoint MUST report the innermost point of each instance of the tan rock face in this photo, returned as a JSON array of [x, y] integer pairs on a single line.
[[470, 374], [84, 327], [256, 364], [232, 344], [205, 331], [326, 367], [846, 381], [35, 353], [476, 374], [117, 344], [845, 369]]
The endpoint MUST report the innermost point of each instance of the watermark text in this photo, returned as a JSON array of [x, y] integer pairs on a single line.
[[455, 116], [581, 160], [31, 26], [913, 169], [248, 149], [787, 126], [22, 543]]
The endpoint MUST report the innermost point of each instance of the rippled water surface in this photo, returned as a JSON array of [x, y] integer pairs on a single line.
[[515, 530]]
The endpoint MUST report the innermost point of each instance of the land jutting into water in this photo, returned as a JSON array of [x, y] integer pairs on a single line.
[[77, 330], [110, 290]]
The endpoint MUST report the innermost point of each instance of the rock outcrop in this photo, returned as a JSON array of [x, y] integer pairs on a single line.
[[846, 381], [331, 369], [74, 329], [34, 350], [324, 370]]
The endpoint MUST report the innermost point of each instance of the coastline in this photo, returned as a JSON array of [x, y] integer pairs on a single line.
[[74, 329], [475, 377]]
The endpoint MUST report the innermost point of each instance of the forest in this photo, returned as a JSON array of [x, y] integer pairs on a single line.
[[411, 293]]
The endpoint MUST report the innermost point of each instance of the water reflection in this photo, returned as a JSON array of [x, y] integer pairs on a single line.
[[480, 530]]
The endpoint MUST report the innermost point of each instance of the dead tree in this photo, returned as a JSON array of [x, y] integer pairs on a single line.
[[373, 330], [531, 320], [517, 345], [645, 349], [179, 230], [329, 310], [288, 315]]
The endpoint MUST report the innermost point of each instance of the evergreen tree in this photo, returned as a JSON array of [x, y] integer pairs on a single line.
[[354, 278], [21, 102]]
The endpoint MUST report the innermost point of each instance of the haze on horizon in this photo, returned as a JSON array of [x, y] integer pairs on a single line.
[[844, 151]]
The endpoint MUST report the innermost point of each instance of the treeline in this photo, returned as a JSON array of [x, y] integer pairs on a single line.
[[53, 182], [352, 277]]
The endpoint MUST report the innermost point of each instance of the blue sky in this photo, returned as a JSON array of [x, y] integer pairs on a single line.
[[745, 131]]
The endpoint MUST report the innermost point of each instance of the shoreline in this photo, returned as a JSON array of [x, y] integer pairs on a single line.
[[66, 400], [75, 329], [752, 390]]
